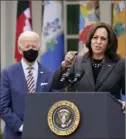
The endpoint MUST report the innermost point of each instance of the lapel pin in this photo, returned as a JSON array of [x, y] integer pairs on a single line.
[[109, 65], [41, 71]]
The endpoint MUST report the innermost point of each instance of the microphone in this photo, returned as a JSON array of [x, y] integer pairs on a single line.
[[66, 75], [77, 77], [69, 71]]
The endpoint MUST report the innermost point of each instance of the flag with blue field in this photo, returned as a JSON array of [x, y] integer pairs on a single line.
[[52, 42]]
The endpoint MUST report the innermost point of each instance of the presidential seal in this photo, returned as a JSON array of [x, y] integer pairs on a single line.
[[63, 118]]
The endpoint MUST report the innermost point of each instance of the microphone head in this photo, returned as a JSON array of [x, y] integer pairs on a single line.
[[65, 76], [78, 76]]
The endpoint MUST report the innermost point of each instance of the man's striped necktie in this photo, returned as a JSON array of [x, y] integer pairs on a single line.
[[30, 80]]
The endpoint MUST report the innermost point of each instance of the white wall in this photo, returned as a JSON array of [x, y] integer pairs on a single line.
[[8, 18], [105, 11]]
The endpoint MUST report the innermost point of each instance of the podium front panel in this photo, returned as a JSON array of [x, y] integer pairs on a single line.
[[98, 119]]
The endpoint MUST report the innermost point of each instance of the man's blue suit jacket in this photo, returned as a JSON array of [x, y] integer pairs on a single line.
[[13, 96]]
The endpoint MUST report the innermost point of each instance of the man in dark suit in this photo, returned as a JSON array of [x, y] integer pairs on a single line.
[[26, 76]]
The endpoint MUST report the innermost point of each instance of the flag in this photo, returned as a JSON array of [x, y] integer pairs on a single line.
[[84, 33], [23, 22], [89, 14], [119, 26], [52, 46], [123, 97]]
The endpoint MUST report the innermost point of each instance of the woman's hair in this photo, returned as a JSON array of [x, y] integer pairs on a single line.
[[112, 40]]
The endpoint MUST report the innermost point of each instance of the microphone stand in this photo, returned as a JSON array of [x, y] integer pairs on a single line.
[[72, 83]]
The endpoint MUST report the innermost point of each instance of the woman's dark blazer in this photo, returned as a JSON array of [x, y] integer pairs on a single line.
[[110, 79]]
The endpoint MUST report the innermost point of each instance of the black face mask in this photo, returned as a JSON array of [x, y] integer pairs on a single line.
[[30, 55]]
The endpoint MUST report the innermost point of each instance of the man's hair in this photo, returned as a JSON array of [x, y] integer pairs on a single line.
[[112, 40], [27, 34]]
